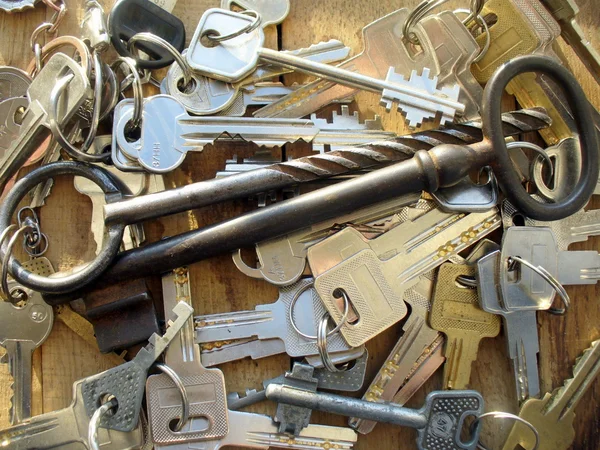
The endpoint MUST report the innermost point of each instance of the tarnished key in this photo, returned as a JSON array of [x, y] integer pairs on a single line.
[[131, 394], [438, 423], [34, 128], [418, 97], [23, 328], [183, 356], [553, 416], [455, 311], [273, 321], [68, 429]]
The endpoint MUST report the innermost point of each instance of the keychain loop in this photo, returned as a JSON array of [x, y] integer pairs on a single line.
[[536, 148], [56, 43], [6, 293], [185, 402], [505, 415], [322, 344], [138, 94], [216, 37], [95, 422]]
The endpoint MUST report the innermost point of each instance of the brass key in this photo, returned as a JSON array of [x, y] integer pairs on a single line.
[[553, 415], [455, 312]]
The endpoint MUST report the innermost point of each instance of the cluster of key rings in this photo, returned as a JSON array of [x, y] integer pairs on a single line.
[[104, 77]]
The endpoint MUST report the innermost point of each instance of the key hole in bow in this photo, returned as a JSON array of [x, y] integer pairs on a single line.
[[206, 41], [186, 88], [196, 424], [513, 271], [106, 398], [353, 316]]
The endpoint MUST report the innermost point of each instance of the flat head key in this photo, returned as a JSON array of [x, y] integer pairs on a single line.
[[455, 311], [34, 130], [127, 381], [553, 415]]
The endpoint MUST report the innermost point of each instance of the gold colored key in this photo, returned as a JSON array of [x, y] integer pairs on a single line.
[[522, 27], [553, 416], [455, 312]]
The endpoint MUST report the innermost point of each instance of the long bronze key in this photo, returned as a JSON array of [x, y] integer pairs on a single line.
[[455, 312], [553, 415]]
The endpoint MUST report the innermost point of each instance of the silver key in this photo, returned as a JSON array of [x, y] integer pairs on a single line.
[[93, 26], [438, 423], [10, 130], [68, 429], [271, 12], [130, 395], [273, 321], [23, 328], [13, 82], [34, 128], [419, 97], [183, 356]]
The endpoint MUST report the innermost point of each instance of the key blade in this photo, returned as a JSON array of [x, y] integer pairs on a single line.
[[17, 437], [20, 367]]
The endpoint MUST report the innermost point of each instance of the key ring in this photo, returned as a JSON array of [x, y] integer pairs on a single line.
[[114, 233], [153, 39], [138, 94], [307, 336], [185, 402], [61, 41], [552, 281], [536, 148], [216, 37], [94, 424], [32, 241], [322, 344], [479, 20], [505, 415], [55, 95]]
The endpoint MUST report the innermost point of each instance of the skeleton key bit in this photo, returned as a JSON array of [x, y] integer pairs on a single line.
[[438, 422], [59, 69], [126, 382]]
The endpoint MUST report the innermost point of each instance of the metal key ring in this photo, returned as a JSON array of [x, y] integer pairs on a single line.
[[61, 41], [95, 422], [479, 20], [154, 39], [114, 233], [550, 279], [185, 402], [505, 415], [55, 95], [307, 336], [322, 344], [215, 37], [509, 181], [138, 93], [536, 148]]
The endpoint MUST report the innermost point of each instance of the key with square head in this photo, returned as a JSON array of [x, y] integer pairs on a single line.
[[68, 429], [375, 274], [438, 423], [520, 327], [183, 356], [34, 127], [553, 416], [129, 395], [565, 12], [273, 321], [455, 311], [282, 261], [23, 328], [231, 60], [207, 95]]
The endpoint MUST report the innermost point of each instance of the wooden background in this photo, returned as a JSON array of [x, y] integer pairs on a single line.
[[218, 287]]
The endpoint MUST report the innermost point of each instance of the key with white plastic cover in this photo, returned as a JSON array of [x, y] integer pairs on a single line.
[[231, 60], [274, 321]]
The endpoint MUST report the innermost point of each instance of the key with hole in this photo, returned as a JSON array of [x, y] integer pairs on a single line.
[[565, 12], [376, 273], [273, 321], [68, 428], [34, 128], [418, 336], [438, 423], [130, 395], [419, 97], [23, 328], [553, 416], [206, 95], [282, 261], [183, 356], [272, 12], [455, 311]]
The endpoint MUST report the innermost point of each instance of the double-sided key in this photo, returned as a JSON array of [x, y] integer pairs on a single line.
[[35, 125], [183, 356], [553, 416], [376, 273], [273, 321], [419, 97], [455, 311], [23, 328], [438, 423]]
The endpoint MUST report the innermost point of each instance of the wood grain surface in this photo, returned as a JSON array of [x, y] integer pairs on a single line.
[[217, 286]]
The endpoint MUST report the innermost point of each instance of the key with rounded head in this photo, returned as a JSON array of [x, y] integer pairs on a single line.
[[232, 59], [23, 328]]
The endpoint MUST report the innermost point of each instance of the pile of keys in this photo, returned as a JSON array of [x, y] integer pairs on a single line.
[[443, 232]]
